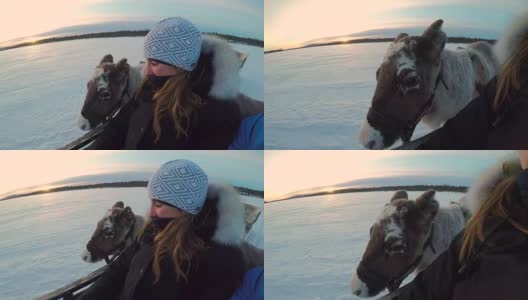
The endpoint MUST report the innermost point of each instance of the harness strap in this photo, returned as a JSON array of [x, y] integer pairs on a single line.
[[389, 123], [119, 105], [408, 132], [394, 283], [120, 248]]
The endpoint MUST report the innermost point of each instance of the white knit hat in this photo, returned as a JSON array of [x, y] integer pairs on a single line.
[[179, 183], [175, 41]]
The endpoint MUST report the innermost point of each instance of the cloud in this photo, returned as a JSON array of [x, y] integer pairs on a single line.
[[295, 22], [289, 171], [29, 168], [23, 18], [26, 18]]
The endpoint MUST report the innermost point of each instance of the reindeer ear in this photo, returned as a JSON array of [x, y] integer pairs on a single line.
[[432, 42], [128, 212], [119, 204], [123, 66], [107, 58], [400, 36], [243, 57], [427, 203], [400, 195]]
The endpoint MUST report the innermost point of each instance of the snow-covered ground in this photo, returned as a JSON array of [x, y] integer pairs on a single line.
[[317, 98], [314, 244], [43, 236], [42, 87]]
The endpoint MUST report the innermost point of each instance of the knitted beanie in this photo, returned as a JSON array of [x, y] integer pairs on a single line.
[[181, 184], [175, 41]]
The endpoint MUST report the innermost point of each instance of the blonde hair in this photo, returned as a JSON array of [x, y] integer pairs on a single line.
[[176, 101], [508, 78], [498, 203], [177, 241]]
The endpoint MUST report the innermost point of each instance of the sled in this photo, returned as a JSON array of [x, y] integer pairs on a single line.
[[417, 143], [86, 139], [69, 291]]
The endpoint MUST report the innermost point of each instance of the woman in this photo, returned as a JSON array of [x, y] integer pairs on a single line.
[[489, 260], [187, 100], [497, 119], [189, 247]]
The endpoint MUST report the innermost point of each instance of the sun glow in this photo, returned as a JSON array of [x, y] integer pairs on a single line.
[[301, 21]]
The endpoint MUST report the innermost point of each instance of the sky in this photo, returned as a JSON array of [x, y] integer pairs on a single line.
[[290, 171], [23, 18], [29, 168], [289, 23]]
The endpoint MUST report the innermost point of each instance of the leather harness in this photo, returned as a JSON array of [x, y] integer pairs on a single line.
[[392, 124]]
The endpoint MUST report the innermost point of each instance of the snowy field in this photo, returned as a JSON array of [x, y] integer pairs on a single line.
[[317, 98], [42, 87], [314, 244], [43, 236]]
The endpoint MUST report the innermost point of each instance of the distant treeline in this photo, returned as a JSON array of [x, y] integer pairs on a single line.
[[132, 33], [458, 40], [411, 188], [241, 190]]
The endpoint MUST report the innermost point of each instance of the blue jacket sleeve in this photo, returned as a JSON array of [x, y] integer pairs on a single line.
[[252, 287], [250, 135]]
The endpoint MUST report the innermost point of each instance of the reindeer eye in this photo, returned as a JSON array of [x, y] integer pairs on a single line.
[[395, 247], [411, 81]]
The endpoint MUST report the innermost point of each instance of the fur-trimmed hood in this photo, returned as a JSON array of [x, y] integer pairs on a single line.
[[218, 69], [222, 217], [509, 42], [484, 183]]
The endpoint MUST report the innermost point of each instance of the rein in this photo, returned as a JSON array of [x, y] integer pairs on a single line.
[[390, 123], [121, 246], [119, 105], [393, 283]]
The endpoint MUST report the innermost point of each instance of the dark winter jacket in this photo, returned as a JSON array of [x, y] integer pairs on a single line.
[[478, 126], [215, 273], [213, 125], [498, 269]]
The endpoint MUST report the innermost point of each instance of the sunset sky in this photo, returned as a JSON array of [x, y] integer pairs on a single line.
[[290, 171], [28, 168], [29, 17], [291, 22]]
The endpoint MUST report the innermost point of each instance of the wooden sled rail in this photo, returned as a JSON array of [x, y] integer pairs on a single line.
[[85, 139], [416, 144], [67, 292]]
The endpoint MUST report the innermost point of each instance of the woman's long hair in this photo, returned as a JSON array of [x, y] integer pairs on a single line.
[[177, 241], [175, 101], [498, 203], [508, 78]]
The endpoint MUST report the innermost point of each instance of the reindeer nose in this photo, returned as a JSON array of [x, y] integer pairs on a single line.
[[357, 292], [371, 144]]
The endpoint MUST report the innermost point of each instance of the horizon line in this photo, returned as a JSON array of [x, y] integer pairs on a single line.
[[463, 40], [132, 33]]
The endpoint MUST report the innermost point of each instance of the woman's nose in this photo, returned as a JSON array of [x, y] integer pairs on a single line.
[[152, 212], [148, 70]]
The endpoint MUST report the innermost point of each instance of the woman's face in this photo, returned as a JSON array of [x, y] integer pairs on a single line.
[[159, 69], [160, 210]]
